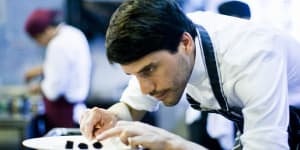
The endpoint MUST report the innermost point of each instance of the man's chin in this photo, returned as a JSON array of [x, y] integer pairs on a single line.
[[170, 103]]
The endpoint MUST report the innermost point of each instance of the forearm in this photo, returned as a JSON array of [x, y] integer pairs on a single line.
[[37, 71], [125, 112], [33, 73]]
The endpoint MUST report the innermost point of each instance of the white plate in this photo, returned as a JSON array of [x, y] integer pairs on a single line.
[[59, 143]]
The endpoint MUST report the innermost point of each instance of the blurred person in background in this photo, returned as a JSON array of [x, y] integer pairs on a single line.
[[235, 8], [66, 70]]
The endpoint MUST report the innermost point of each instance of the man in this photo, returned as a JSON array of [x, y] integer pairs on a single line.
[[166, 52], [66, 69]]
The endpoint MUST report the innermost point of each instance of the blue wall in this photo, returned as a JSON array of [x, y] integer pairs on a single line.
[[17, 51]]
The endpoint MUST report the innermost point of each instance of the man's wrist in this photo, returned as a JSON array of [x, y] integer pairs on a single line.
[[121, 111]]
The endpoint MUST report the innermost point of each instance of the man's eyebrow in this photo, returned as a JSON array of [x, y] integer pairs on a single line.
[[145, 68]]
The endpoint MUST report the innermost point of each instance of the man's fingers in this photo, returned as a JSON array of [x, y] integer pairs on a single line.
[[98, 130], [89, 127], [88, 122], [124, 123], [82, 120], [116, 131], [140, 142], [139, 127], [95, 121], [126, 134], [83, 115], [123, 129]]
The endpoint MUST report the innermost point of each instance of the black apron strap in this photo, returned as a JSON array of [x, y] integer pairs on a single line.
[[213, 74], [211, 65]]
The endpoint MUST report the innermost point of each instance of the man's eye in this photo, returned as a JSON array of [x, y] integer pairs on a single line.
[[148, 71]]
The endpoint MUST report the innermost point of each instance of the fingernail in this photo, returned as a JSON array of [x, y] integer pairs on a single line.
[[99, 137]]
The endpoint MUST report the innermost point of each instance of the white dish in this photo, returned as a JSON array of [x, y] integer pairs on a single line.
[[59, 143]]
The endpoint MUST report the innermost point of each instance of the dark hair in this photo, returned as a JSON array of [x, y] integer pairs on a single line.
[[140, 27], [235, 8], [40, 19]]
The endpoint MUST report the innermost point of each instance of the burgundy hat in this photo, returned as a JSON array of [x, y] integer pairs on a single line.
[[38, 21]]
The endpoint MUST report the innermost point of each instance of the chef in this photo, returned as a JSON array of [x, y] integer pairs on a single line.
[[246, 72], [66, 70]]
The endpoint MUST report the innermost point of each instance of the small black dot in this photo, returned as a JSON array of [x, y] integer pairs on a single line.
[[69, 145], [83, 146], [97, 145]]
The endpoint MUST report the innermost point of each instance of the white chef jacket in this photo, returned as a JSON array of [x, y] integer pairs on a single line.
[[260, 73], [67, 67]]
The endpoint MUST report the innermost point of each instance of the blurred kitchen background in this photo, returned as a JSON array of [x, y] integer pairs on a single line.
[[19, 53]]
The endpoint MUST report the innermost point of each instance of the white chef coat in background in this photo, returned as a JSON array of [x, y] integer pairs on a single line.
[[67, 68]]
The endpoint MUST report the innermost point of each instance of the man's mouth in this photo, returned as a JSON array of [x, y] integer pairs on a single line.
[[160, 95]]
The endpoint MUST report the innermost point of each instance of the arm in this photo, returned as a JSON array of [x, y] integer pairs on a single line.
[[30, 75], [262, 87], [33, 73], [138, 134], [132, 107], [125, 112]]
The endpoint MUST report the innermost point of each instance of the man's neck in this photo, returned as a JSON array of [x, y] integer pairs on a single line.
[[52, 31]]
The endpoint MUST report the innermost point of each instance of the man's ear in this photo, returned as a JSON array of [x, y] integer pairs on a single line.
[[187, 42]]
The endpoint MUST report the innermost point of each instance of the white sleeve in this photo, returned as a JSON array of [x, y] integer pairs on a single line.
[[133, 96], [263, 88], [56, 71]]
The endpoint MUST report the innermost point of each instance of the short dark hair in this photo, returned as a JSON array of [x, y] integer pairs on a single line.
[[140, 27], [40, 19], [235, 8]]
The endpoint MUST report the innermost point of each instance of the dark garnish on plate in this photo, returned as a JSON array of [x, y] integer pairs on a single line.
[[97, 145], [69, 145], [83, 146]]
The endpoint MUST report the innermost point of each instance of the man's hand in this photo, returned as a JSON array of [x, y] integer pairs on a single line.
[[35, 89], [96, 120], [137, 134], [33, 73]]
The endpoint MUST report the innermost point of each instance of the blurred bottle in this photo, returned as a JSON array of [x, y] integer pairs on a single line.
[[26, 105], [4, 106], [15, 106]]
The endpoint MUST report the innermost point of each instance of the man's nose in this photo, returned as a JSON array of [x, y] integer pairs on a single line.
[[147, 85]]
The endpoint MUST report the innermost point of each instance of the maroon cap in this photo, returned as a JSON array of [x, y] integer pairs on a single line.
[[38, 21]]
